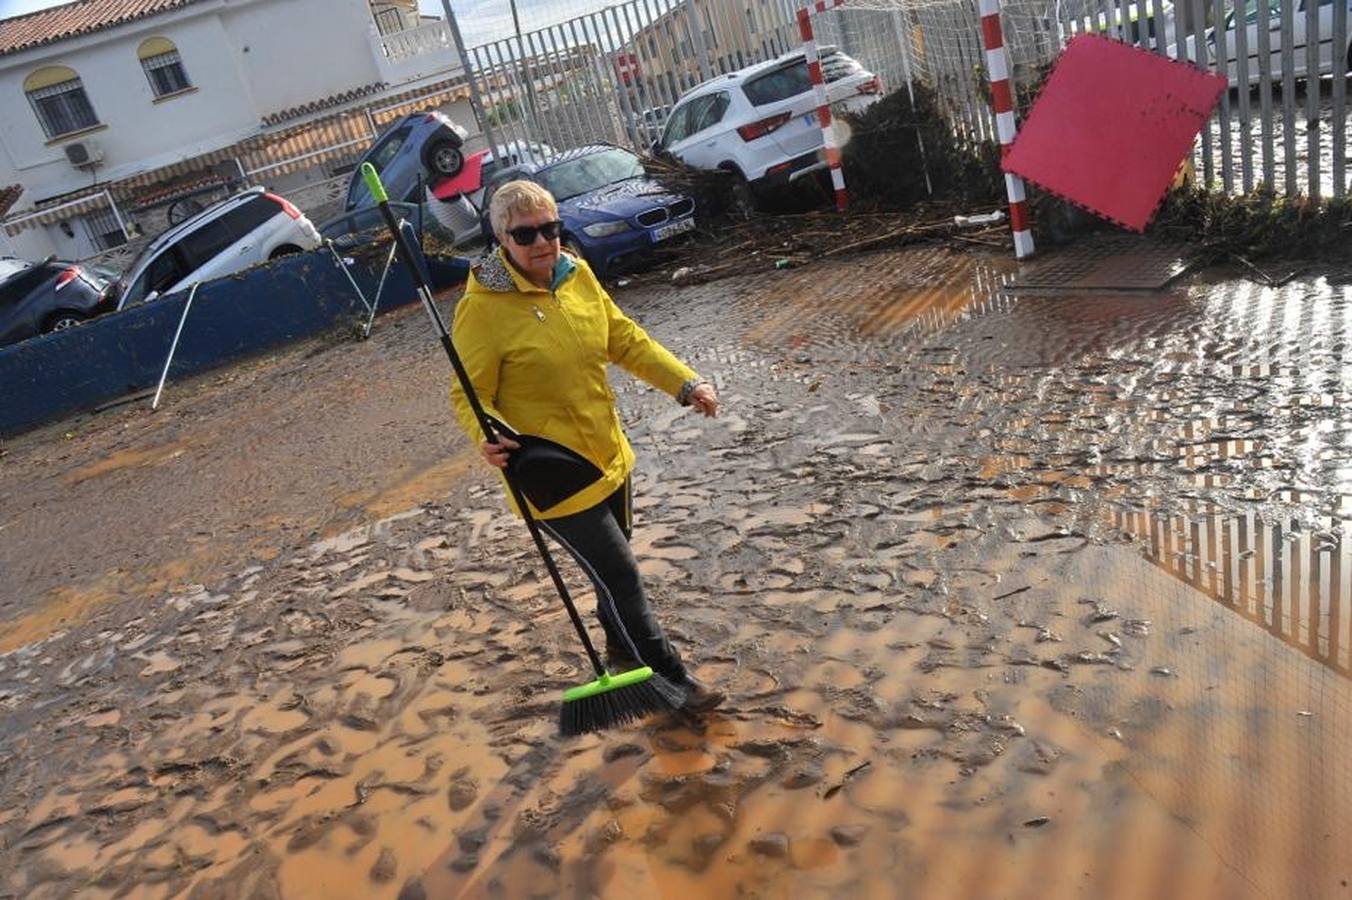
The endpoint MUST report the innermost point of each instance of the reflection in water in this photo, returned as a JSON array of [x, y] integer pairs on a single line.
[[927, 292], [1292, 582]]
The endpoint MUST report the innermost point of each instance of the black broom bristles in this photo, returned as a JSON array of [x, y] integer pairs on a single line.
[[619, 706]]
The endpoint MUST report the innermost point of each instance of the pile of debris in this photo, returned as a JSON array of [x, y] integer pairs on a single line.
[[909, 177], [788, 241], [903, 151]]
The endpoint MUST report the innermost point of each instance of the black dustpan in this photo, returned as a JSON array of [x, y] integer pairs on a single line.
[[547, 472]]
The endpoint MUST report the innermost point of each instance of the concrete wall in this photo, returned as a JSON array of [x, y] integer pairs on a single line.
[[77, 370], [291, 52]]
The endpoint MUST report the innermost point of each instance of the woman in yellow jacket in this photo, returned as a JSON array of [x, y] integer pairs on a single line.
[[536, 332]]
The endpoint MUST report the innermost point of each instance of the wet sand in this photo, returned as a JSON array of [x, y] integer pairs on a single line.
[[1013, 597]]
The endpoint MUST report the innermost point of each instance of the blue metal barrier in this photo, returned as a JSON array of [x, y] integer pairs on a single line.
[[77, 370]]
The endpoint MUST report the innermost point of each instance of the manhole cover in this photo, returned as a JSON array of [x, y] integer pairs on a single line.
[[1107, 263]]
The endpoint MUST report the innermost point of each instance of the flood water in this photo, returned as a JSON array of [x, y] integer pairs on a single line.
[[1013, 596]]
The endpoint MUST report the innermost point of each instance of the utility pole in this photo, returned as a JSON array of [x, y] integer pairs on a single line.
[[696, 32], [527, 76], [476, 101]]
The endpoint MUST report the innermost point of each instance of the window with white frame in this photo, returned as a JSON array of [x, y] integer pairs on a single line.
[[163, 66], [59, 101]]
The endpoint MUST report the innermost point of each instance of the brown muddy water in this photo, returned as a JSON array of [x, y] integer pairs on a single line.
[[1013, 596]]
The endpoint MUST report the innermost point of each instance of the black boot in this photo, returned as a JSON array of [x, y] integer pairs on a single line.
[[699, 696], [618, 660]]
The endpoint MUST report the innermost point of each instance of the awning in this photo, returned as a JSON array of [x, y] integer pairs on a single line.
[[332, 135], [58, 211]]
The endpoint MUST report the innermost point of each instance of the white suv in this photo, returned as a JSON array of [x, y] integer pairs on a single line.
[[761, 122], [249, 228]]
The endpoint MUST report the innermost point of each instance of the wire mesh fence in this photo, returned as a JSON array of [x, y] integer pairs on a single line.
[[578, 73]]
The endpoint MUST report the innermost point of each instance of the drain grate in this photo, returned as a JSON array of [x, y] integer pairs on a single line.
[[1106, 263]]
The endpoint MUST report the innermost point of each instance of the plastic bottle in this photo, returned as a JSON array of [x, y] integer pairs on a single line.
[[990, 218]]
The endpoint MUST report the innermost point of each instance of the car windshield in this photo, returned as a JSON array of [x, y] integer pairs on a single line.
[[124, 279], [587, 173]]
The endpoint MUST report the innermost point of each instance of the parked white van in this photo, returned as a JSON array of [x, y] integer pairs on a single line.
[[248, 228]]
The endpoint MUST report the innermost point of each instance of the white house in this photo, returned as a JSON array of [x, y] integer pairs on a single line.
[[99, 99]]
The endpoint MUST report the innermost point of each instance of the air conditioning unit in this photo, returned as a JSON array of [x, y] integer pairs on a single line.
[[83, 154]]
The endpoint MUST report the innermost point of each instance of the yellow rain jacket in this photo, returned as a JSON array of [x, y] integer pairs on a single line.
[[537, 359]]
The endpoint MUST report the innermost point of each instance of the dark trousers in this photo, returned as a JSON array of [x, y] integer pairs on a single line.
[[598, 538]]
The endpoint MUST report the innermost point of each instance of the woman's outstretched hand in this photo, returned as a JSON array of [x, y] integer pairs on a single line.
[[705, 400], [496, 453]]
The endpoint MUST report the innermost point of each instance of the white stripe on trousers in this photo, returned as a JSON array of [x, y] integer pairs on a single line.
[[602, 590]]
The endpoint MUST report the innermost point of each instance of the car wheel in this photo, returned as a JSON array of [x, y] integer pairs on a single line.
[[445, 158], [62, 321], [744, 204]]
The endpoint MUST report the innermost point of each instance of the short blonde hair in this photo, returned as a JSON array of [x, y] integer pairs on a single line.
[[518, 197]]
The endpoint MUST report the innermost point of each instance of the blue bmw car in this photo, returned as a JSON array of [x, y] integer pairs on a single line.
[[613, 214]]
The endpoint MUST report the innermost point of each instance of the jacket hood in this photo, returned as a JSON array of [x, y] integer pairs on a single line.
[[496, 274]]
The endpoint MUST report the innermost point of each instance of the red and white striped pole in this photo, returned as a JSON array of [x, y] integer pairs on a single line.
[[830, 148], [1002, 99]]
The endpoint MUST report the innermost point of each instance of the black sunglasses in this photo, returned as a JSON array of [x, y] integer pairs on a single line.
[[524, 235]]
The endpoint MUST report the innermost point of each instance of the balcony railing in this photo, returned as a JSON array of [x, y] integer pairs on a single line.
[[430, 37]]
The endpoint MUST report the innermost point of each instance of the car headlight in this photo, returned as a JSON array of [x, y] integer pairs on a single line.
[[605, 229]]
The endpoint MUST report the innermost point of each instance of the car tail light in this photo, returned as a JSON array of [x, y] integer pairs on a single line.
[[763, 127], [67, 276], [286, 206], [873, 86]]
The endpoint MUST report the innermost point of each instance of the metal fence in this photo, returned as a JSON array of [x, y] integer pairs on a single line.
[[612, 74], [1276, 126]]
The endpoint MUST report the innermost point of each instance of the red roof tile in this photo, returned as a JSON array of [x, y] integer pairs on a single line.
[[305, 109], [81, 17], [179, 187]]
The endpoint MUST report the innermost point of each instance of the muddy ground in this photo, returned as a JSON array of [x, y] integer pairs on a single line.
[[1014, 596]]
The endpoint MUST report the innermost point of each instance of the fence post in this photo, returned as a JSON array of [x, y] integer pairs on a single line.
[[814, 72], [1002, 100], [117, 214]]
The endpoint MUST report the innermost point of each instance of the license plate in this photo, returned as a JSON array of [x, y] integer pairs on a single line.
[[672, 229]]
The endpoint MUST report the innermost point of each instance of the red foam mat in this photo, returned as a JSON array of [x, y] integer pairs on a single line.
[[1111, 127], [466, 181]]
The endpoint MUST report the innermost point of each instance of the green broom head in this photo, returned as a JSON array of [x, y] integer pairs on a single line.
[[613, 700]]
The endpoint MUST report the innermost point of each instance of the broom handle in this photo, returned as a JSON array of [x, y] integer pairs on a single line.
[[377, 190]]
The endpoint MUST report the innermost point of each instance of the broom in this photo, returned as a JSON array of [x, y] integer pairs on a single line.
[[607, 700]]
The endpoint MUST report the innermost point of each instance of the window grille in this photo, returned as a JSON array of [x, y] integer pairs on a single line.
[[166, 74], [388, 21], [63, 108], [104, 229]]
